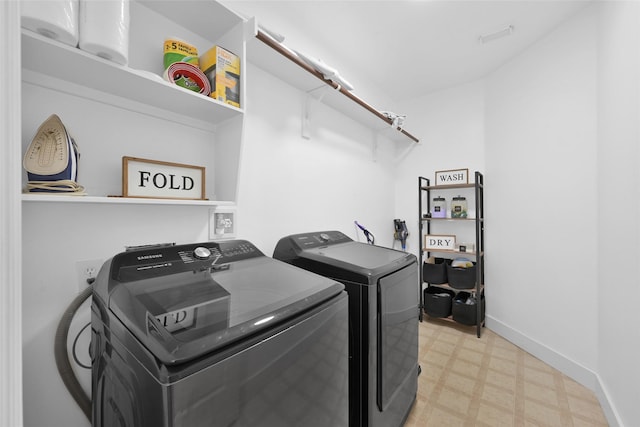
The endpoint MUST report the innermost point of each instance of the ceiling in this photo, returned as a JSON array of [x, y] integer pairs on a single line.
[[410, 48]]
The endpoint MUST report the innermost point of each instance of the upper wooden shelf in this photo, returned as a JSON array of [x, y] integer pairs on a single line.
[[275, 58], [449, 251], [449, 186]]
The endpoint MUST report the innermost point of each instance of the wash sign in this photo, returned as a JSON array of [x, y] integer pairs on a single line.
[[439, 242], [452, 177]]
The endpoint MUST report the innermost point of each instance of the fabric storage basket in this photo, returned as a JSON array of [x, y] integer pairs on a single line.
[[436, 272], [437, 301], [463, 308], [462, 277]]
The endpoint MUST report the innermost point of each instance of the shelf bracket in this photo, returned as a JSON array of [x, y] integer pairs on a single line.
[[374, 146], [405, 153], [310, 101]]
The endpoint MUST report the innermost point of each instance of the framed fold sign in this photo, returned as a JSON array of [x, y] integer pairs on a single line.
[[162, 180]]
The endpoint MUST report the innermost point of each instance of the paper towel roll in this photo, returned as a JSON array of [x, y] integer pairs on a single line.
[[56, 19], [104, 29]]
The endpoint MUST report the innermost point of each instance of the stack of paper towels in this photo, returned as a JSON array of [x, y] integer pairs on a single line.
[[100, 27], [104, 29], [57, 19]]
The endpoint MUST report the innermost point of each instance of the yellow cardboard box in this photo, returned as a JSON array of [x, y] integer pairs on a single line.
[[222, 68]]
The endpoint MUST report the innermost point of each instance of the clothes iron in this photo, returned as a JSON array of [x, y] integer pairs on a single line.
[[51, 160]]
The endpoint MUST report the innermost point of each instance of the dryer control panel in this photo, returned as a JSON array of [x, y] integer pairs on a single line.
[[291, 246], [317, 239], [153, 261]]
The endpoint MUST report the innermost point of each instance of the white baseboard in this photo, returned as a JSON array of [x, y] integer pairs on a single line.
[[607, 405], [570, 368]]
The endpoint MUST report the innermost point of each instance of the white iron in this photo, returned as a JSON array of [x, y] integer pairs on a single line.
[[51, 160]]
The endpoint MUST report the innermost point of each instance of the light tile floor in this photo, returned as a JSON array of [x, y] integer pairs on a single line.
[[469, 381]]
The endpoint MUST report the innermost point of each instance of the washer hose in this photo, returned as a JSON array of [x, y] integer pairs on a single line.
[[62, 357]]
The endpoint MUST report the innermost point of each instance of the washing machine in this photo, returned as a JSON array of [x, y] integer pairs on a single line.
[[216, 334], [383, 288]]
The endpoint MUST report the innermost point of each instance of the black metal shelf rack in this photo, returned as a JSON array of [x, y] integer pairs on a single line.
[[424, 225]]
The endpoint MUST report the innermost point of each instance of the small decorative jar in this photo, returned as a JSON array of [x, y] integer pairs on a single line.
[[459, 207], [439, 208]]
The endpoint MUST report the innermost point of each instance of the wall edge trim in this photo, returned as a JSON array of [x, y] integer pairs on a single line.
[[562, 363]]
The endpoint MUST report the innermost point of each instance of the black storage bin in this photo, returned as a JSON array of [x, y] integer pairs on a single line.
[[435, 273], [462, 277], [437, 301], [463, 309]]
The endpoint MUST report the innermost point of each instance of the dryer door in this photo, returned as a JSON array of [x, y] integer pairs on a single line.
[[397, 349]]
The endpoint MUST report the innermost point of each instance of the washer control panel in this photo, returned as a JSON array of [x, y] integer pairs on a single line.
[[201, 253], [162, 260]]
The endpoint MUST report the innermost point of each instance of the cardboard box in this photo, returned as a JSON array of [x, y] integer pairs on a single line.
[[222, 68]]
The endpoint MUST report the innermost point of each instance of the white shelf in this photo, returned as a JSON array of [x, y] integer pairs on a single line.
[[277, 60], [211, 20], [50, 68], [58, 198], [65, 63]]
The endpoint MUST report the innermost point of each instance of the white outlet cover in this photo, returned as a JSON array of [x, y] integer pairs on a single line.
[[87, 269]]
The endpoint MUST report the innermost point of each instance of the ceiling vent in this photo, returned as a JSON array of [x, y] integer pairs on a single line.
[[486, 38]]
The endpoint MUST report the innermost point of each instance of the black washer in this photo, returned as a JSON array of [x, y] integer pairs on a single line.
[[217, 334], [383, 288]]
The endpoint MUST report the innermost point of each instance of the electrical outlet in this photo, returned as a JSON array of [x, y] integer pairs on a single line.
[[87, 270]]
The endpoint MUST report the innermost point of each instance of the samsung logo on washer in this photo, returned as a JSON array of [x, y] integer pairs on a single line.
[[151, 256]]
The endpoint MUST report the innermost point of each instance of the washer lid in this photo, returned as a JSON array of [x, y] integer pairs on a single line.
[[333, 254], [358, 255], [181, 316], [361, 258]]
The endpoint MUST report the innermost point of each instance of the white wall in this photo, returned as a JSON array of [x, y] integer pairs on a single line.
[[541, 115], [530, 127], [618, 209], [289, 184], [450, 125]]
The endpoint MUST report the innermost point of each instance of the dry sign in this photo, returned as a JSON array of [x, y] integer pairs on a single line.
[[439, 242], [161, 180]]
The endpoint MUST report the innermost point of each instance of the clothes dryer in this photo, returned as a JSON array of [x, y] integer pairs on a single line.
[[383, 288], [217, 334]]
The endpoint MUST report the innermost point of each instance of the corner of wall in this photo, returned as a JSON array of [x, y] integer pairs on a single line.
[[572, 369], [610, 412]]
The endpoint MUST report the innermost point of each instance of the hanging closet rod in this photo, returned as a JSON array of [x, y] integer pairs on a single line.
[[289, 55]]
